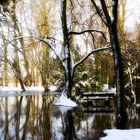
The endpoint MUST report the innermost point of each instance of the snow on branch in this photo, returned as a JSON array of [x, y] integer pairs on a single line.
[[88, 31], [93, 51], [44, 41]]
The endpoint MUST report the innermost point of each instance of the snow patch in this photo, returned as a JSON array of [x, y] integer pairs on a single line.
[[105, 87], [52, 88], [64, 109], [34, 88], [116, 134], [10, 88], [113, 89], [30, 89], [65, 101]]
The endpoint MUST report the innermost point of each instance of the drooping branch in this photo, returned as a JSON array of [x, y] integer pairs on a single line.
[[32, 44], [10, 43], [88, 31], [93, 51], [44, 41]]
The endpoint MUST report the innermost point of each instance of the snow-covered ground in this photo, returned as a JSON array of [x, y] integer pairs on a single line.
[[106, 88], [13, 91], [116, 134], [10, 88], [28, 89], [64, 101]]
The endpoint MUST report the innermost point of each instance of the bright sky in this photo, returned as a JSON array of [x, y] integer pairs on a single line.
[[132, 13]]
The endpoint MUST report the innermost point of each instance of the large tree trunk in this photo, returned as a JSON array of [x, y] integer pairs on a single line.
[[15, 64], [45, 68], [110, 20], [118, 66], [17, 71], [67, 55], [5, 64], [25, 58]]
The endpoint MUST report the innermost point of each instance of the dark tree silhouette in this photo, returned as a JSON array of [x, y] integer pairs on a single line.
[[110, 20]]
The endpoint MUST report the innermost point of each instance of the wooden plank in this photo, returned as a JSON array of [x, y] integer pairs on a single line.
[[98, 98], [98, 106], [103, 92], [98, 111], [98, 94]]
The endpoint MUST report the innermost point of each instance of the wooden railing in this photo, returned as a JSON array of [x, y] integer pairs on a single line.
[[92, 97]]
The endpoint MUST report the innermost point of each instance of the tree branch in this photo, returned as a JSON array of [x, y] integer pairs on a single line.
[[32, 43], [93, 51], [44, 41], [106, 14], [88, 31]]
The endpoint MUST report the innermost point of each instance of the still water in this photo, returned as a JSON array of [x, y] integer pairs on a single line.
[[34, 117]]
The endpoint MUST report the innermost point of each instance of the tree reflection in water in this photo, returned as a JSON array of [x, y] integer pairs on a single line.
[[69, 133], [17, 116], [68, 123], [24, 118], [35, 117], [45, 120], [6, 119], [27, 113]]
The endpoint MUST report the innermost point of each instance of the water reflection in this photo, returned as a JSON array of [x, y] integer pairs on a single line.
[[25, 118], [35, 117], [68, 123], [134, 117]]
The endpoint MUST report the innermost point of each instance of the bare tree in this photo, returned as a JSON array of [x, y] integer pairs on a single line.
[[66, 62]]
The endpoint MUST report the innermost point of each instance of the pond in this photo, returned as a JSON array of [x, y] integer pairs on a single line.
[[34, 117]]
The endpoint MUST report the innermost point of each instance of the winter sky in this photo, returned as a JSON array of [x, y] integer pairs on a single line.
[[132, 13]]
